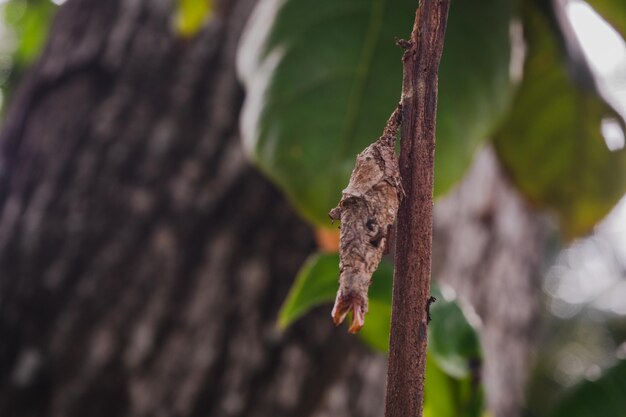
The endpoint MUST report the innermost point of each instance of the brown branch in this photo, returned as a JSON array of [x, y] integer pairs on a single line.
[[411, 290]]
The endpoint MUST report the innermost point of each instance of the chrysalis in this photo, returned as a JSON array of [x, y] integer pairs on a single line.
[[367, 211]]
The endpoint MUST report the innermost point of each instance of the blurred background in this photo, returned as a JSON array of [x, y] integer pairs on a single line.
[[166, 169]]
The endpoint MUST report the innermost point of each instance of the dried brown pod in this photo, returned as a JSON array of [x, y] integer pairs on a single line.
[[367, 211]]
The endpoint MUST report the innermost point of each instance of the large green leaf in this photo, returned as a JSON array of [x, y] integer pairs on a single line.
[[605, 397], [322, 80], [552, 143]]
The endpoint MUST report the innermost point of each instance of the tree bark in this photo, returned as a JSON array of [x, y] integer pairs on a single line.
[[413, 256], [142, 261]]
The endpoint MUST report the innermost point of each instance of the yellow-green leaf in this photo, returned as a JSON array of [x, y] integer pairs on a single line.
[[552, 145], [191, 15]]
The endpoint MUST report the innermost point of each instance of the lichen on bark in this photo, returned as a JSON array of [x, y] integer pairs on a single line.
[[367, 211]]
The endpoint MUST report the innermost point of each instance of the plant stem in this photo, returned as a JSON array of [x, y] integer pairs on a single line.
[[411, 289]]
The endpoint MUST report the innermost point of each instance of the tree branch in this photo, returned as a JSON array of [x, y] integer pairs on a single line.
[[411, 290]]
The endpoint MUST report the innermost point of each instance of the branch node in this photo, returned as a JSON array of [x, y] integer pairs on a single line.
[[431, 300], [404, 44], [393, 124]]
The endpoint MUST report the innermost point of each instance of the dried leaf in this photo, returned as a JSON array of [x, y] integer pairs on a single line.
[[367, 211]]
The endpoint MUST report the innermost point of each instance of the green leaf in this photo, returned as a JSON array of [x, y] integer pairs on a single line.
[[191, 15], [316, 284], [452, 341], [604, 397], [447, 396], [552, 145], [475, 87], [31, 22], [439, 398], [321, 82]]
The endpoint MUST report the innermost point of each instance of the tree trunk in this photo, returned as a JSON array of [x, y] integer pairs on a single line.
[[142, 261]]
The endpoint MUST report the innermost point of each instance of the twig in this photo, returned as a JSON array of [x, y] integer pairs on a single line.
[[411, 290]]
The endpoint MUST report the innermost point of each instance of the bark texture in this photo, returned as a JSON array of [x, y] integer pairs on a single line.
[[412, 260], [142, 261]]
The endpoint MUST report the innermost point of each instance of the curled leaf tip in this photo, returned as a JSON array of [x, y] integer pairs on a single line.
[[345, 303]]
